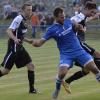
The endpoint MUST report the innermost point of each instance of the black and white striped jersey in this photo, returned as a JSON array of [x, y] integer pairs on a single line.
[[81, 19], [19, 28]]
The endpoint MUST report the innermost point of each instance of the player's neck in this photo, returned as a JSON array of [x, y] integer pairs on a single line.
[[61, 23], [24, 15]]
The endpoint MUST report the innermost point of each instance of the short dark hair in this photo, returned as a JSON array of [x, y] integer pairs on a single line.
[[26, 4], [75, 3], [90, 5], [57, 11]]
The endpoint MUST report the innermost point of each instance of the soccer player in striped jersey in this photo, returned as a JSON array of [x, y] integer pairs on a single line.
[[16, 53], [81, 18], [69, 47]]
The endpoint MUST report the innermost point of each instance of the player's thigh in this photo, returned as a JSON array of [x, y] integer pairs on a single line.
[[9, 60], [30, 66], [66, 61], [92, 67], [22, 58], [84, 59], [96, 54]]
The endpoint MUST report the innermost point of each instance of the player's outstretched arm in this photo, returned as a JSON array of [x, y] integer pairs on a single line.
[[96, 16], [30, 41], [38, 42]]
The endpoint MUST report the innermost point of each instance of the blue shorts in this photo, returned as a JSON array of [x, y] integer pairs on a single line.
[[67, 60]]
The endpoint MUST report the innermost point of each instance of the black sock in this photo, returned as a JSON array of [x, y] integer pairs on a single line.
[[31, 78], [97, 62], [1, 74], [75, 76]]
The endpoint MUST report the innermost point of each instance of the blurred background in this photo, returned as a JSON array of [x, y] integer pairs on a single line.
[[42, 14], [15, 86]]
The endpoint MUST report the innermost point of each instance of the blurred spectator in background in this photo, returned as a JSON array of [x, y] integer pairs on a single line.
[[14, 12], [45, 20], [34, 7], [76, 1], [49, 19], [43, 23], [38, 7], [41, 6], [77, 7], [85, 1], [7, 10], [35, 22]]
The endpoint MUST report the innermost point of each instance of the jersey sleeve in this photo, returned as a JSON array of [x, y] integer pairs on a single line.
[[78, 18], [49, 34], [15, 23]]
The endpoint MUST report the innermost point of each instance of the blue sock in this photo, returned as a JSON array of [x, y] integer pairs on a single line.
[[58, 84]]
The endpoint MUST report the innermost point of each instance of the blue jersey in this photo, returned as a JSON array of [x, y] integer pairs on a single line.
[[67, 41]]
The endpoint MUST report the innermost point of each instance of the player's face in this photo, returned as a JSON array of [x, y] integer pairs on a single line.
[[90, 12], [28, 11], [60, 18]]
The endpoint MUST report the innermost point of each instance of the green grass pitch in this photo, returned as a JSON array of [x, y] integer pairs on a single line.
[[46, 58]]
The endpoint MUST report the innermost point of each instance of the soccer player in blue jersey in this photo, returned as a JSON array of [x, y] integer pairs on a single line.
[[69, 47]]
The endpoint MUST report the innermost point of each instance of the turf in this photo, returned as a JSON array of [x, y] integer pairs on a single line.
[[46, 58]]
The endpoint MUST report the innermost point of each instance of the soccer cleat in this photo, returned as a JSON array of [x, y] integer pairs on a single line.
[[55, 95], [35, 91], [66, 87]]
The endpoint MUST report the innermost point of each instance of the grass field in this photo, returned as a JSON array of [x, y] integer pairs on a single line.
[[15, 85]]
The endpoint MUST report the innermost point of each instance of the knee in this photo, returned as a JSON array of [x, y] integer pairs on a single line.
[[61, 76], [96, 54], [62, 72], [85, 71], [30, 66]]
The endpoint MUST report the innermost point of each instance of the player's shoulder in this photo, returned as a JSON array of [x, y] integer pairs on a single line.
[[68, 21], [53, 27], [81, 15], [18, 18], [78, 18]]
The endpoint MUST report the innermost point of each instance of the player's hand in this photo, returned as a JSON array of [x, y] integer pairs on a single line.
[[17, 41], [78, 27], [31, 41], [97, 15]]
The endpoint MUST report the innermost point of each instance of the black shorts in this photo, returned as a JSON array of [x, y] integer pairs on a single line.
[[88, 49], [19, 58]]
